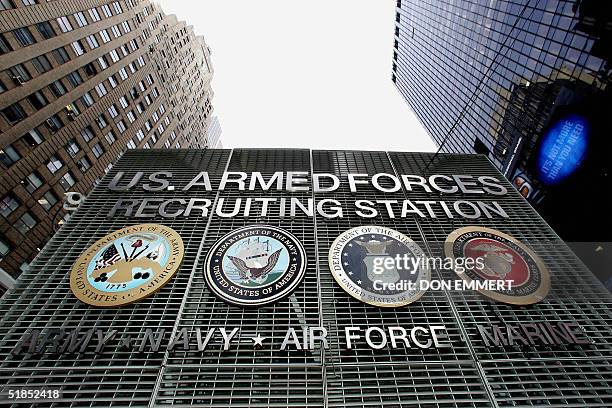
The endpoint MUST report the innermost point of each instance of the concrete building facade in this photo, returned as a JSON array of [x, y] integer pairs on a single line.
[[81, 82]]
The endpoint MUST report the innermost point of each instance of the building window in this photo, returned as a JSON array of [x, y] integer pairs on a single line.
[[48, 200], [25, 223], [5, 47], [54, 164], [67, 181], [114, 56], [140, 135], [19, 74], [93, 13], [112, 81], [74, 78], [105, 37], [110, 137], [64, 24], [33, 138], [73, 148], [117, 7], [6, 4], [101, 121], [106, 10], [60, 55], [38, 100], [112, 110], [57, 88], [72, 111], [103, 62], [123, 74], [101, 89], [126, 27], [87, 134], [116, 31], [92, 41], [45, 30], [77, 46], [131, 145], [80, 19], [87, 99], [9, 156], [123, 102], [14, 113], [131, 116], [42, 64], [121, 126], [5, 248], [54, 123], [29, 2], [84, 164], [90, 70], [97, 150], [32, 182], [8, 204], [24, 36]]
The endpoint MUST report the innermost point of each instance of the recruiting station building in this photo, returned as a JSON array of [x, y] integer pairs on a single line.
[[169, 346]]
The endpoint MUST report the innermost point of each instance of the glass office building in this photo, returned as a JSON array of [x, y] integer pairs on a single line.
[[527, 84], [469, 372]]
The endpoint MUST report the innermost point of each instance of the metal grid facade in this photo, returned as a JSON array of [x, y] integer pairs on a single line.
[[467, 374]]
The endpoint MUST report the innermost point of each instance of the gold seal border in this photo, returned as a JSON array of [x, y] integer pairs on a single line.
[[133, 295], [533, 298], [419, 294]]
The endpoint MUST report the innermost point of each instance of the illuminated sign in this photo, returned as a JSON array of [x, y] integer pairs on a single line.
[[563, 149]]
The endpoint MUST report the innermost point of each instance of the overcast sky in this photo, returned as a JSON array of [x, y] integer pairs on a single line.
[[313, 74]]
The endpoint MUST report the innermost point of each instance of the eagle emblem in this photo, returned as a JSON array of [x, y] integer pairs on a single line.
[[255, 273]]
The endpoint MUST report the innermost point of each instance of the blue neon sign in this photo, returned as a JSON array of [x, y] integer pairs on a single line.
[[563, 149]]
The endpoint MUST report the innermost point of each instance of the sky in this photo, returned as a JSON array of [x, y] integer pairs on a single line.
[[310, 74]]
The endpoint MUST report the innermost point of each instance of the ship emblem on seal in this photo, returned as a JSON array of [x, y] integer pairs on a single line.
[[255, 265]]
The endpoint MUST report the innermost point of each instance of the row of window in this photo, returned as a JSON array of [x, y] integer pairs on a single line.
[[19, 74], [24, 36], [16, 113]]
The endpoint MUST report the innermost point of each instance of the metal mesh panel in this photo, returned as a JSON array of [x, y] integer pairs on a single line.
[[567, 383], [392, 385], [42, 299], [468, 373]]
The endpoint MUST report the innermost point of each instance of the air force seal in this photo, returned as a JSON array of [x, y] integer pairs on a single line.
[[372, 264], [505, 259], [255, 265], [127, 265]]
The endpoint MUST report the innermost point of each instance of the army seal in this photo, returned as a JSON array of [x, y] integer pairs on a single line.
[[127, 265]]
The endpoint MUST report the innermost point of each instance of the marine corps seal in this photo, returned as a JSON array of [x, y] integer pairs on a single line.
[[362, 261], [255, 265], [504, 258], [127, 265]]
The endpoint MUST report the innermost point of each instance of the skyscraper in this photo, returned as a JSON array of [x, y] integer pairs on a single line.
[[81, 82], [527, 84]]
